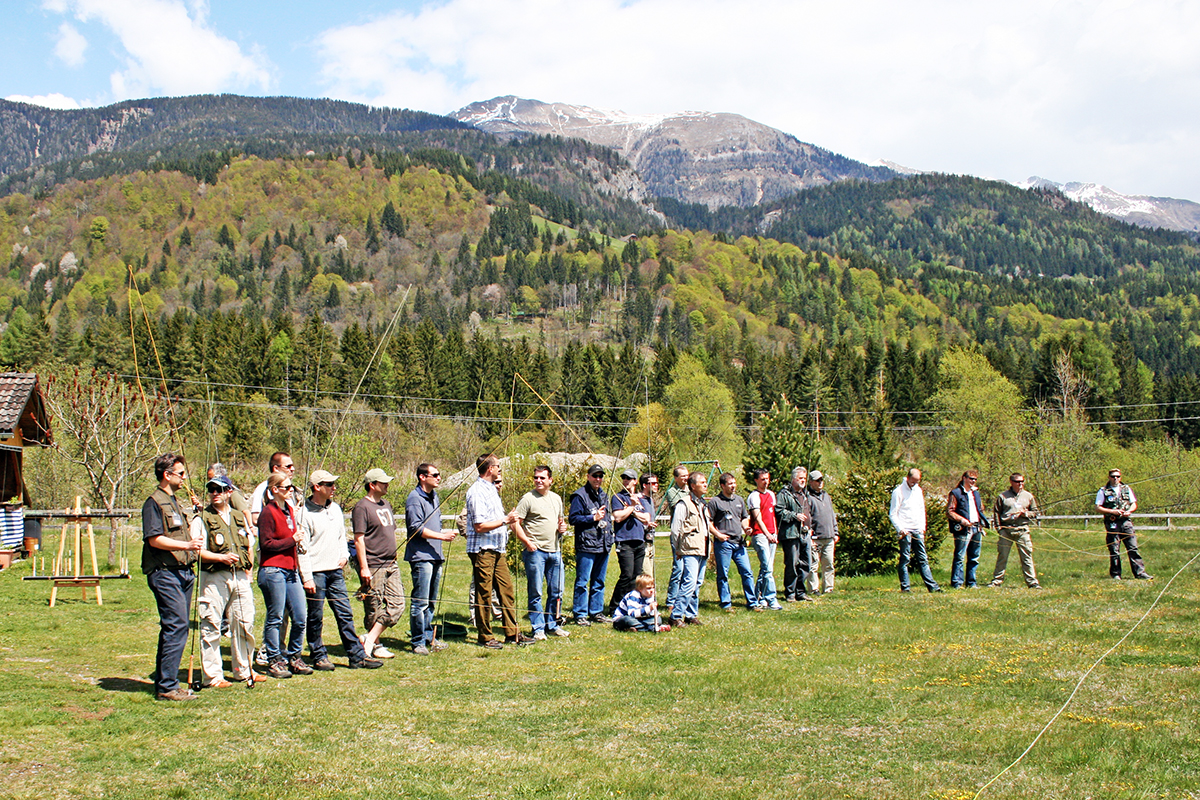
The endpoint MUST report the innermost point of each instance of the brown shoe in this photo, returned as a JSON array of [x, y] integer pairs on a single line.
[[693, 621], [176, 695], [298, 667], [220, 683]]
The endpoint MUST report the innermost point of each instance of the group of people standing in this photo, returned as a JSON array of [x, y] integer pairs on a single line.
[[303, 549]]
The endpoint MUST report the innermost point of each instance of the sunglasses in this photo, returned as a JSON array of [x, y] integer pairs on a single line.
[[433, 474], [327, 484]]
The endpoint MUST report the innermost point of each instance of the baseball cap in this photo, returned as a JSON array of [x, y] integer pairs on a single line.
[[595, 469], [321, 476], [629, 475], [816, 475], [377, 476], [220, 481]]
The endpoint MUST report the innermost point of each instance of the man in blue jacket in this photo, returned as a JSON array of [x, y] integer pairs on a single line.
[[593, 542], [964, 508]]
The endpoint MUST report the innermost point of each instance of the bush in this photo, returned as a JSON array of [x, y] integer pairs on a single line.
[[867, 542]]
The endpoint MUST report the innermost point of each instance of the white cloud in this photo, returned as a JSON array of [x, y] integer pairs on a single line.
[[53, 100], [71, 45], [1003, 89], [170, 48]]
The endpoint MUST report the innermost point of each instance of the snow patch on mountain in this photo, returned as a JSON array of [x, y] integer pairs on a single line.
[[1150, 212]]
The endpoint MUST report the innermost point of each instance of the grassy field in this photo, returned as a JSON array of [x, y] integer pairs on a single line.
[[866, 693]]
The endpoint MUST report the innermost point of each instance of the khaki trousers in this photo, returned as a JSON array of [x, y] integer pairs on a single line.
[[1004, 542], [226, 594], [820, 573]]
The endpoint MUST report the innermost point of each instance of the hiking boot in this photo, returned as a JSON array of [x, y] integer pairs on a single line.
[[420, 650], [323, 664], [279, 670], [693, 621], [437, 645], [492, 644], [583, 622], [176, 695], [298, 667], [366, 663], [520, 639], [601, 619]]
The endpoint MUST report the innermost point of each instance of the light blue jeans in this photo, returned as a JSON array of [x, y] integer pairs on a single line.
[[590, 569], [735, 552], [764, 589], [281, 587], [689, 588], [426, 575], [542, 566]]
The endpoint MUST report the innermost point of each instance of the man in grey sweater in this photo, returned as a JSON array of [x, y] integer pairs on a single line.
[[322, 555]]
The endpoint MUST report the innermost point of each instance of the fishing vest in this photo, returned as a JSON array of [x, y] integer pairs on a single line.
[[693, 533], [176, 525], [1118, 497], [962, 508], [226, 537]]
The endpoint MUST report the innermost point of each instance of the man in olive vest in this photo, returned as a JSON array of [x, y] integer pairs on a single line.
[[168, 552]]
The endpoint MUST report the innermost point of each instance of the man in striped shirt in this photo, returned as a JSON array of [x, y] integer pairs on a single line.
[[487, 541]]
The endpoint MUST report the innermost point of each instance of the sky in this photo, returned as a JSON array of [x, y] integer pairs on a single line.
[[1105, 92]]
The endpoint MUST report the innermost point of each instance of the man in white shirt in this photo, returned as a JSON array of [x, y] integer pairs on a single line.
[[907, 514]]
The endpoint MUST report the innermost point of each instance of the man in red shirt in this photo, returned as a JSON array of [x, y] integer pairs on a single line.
[[765, 538]]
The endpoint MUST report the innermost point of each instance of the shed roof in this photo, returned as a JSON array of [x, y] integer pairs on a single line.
[[23, 407]]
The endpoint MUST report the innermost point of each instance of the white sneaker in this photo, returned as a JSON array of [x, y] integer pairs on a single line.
[[539, 636], [561, 631], [382, 652]]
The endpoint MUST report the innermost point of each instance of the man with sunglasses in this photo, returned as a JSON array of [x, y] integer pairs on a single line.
[[1015, 508], [964, 512], [1117, 502], [225, 592], [168, 551], [374, 527], [322, 559], [282, 463], [423, 552]]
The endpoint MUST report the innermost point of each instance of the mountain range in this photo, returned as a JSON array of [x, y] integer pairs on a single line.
[[1149, 212], [695, 157]]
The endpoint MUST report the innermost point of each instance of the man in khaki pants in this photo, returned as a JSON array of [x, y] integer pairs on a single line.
[[1014, 510]]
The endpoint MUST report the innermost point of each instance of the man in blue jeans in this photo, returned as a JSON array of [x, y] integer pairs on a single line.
[[907, 513], [539, 524], [593, 541], [321, 562], [168, 552], [425, 557], [964, 513], [731, 524]]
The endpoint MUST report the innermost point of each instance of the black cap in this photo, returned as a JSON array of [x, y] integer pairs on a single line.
[[595, 469]]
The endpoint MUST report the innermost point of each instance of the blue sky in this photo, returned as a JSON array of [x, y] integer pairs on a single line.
[[1070, 90]]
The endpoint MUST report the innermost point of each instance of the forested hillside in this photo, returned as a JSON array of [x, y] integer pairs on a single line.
[[474, 296]]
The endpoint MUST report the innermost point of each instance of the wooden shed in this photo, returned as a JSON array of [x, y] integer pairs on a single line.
[[23, 423]]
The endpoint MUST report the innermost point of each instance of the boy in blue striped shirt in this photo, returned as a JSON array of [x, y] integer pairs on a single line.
[[638, 610]]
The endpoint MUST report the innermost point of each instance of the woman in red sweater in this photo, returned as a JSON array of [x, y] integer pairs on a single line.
[[279, 579]]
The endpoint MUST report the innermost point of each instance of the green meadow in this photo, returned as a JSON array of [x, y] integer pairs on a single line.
[[866, 693]]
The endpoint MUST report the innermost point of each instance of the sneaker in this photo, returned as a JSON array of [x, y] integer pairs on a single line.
[[176, 695], [520, 639], [758, 608], [663, 628], [693, 621], [905, 590], [804, 599], [1036, 586], [583, 622], [1115, 577], [366, 663], [729, 609], [437, 645], [382, 652], [492, 644], [775, 606], [997, 584], [936, 589], [278, 670], [1144, 577], [539, 636], [560, 631], [298, 667], [677, 622], [420, 650], [260, 657], [601, 619], [323, 664]]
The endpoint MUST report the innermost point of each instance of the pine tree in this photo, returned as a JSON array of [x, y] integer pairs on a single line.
[[783, 444]]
